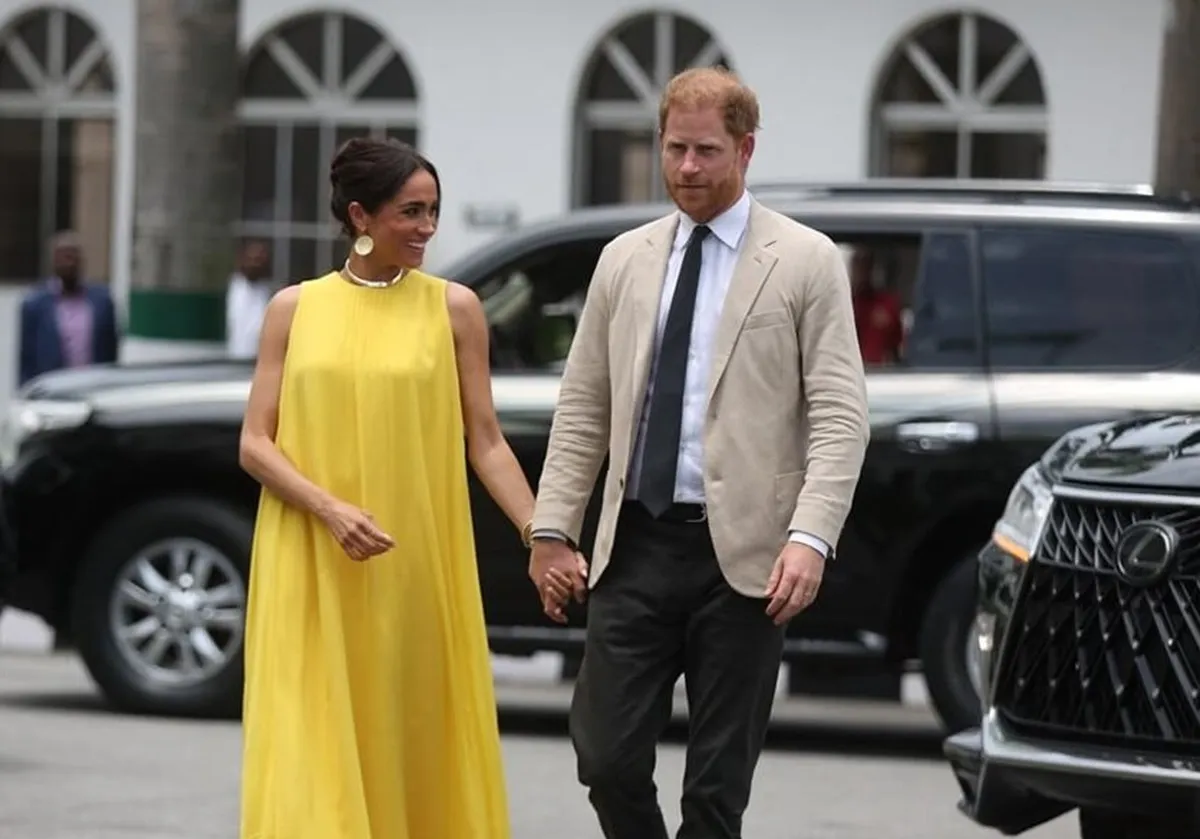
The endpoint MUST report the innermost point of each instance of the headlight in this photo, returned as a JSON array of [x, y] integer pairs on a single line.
[[1028, 505], [30, 417]]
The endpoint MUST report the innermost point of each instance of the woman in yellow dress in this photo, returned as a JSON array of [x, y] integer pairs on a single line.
[[369, 710]]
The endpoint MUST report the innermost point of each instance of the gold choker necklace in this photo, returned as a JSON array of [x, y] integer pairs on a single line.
[[357, 280]]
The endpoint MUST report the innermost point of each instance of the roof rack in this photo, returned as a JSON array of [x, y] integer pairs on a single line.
[[998, 190]]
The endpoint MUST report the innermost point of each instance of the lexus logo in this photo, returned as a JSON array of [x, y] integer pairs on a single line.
[[1146, 552]]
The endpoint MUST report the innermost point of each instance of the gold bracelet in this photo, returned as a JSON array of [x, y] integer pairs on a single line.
[[527, 534]]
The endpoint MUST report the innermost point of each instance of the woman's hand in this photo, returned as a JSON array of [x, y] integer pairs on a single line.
[[559, 574], [356, 531]]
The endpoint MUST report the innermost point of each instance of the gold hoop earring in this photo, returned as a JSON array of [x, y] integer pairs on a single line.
[[363, 245]]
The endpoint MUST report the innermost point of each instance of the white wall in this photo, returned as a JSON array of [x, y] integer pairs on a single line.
[[498, 81]]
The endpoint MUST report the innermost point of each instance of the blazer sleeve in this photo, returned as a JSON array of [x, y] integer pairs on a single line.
[[835, 396], [579, 432]]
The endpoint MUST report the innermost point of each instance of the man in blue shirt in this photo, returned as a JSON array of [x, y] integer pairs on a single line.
[[66, 321]]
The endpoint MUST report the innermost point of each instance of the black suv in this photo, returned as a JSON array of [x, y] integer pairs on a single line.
[[1028, 309], [1089, 631]]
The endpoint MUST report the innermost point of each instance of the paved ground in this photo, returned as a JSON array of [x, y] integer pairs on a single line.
[[69, 769]]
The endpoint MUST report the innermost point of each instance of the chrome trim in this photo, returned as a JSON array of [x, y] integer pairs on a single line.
[[1154, 498], [1036, 543], [1000, 749]]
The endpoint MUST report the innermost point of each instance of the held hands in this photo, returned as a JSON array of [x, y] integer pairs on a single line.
[[558, 573], [794, 581], [356, 531]]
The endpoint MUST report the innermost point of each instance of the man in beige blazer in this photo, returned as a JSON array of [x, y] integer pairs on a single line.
[[716, 365]]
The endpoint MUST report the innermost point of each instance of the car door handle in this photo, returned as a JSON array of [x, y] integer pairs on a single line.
[[936, 436]]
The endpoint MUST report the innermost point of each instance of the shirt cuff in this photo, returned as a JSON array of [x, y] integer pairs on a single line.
[[546, 533], [813, 542]]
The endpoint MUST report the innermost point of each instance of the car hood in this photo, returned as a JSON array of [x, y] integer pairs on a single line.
[[1155, 452], [89, 382]]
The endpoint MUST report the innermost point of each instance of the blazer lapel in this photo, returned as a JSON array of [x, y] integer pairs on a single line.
[[647, 273], [753, 267]]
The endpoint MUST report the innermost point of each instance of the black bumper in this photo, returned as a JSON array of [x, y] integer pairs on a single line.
[[37, 543], [1015, 785]]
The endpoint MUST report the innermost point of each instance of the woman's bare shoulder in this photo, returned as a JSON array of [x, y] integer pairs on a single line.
[[466, 309], [461, 297], [283, 303]]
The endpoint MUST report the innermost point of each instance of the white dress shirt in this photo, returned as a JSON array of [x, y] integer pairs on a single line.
[[245, 307], [719, 255]]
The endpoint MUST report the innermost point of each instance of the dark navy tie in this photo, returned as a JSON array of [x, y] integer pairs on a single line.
[[660, 452]]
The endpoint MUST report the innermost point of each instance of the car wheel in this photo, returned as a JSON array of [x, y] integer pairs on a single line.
[[159, 608], [949, 648]]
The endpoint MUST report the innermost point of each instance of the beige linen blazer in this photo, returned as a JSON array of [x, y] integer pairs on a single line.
[[786, 429]]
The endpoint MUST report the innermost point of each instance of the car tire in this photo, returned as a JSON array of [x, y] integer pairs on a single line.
[[948, 625], [195, 529]]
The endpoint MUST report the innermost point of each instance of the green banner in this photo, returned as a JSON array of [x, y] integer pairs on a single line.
[[169, 315]]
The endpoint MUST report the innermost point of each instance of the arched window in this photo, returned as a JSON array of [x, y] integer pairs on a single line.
[[311, 84], [57, 112], [961, 97], [616, 130]]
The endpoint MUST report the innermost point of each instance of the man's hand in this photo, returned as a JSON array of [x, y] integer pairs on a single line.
[[558, 573], [794, 581]]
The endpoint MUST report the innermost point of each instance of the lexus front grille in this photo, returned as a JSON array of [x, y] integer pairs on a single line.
[[1091, 654]]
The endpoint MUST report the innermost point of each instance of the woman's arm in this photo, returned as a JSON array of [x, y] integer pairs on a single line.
[[261, 458], [258, 454], [487, 451]]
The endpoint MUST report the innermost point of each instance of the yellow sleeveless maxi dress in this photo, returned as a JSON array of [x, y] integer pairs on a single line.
[[369, 710]]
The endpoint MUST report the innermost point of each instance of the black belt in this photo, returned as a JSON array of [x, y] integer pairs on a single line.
[[676, 513]]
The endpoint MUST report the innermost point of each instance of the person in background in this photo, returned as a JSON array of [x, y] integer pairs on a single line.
[[877, 312], [250, 289], [65, 320]]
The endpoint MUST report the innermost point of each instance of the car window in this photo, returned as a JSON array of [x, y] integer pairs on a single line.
[[533, 304], [944, 327], [1087, 299], [914, 298]]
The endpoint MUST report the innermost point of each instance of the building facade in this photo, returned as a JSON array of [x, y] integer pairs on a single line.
[[530, 108]]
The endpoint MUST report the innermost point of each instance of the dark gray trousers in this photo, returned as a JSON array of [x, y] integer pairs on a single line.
[[663, 608]]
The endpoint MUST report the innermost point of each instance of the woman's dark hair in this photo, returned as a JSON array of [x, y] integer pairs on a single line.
[[372, 172]]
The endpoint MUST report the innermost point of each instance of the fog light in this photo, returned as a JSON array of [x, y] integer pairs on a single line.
[[980, 642], [985, 630]]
